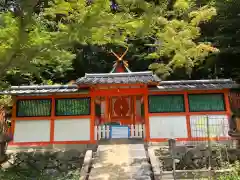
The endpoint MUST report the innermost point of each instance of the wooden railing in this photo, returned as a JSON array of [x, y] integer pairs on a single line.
[[104, 131], [137, 131]]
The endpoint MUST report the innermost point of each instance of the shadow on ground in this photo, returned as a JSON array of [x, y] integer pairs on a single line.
[[117, 160]]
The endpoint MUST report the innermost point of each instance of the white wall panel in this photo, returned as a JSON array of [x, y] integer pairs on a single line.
[[32, 131], [218, 125], [72, 130], [168, 127]]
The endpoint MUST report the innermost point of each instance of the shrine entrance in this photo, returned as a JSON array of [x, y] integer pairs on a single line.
[[121, 110], [119, 117]]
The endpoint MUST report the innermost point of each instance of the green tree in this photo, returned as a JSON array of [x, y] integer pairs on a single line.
[[176, 30], [48, 36], [64, 39], [226, 37]]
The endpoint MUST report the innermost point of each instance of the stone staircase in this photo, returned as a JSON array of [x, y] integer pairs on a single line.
[[120, 160]]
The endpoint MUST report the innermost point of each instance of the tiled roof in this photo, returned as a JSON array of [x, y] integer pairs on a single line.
[[119, 78], [195, 84], [40, 89], [164, 86]]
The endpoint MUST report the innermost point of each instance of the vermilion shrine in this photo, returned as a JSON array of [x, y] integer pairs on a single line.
[[120, 104]]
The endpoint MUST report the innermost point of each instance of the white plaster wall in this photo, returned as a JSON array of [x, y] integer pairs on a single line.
[[72, 130], [32, 131], [218, 126], [168, 127]]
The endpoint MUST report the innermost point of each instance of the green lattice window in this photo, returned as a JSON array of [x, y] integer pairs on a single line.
[[166, 103], [72, 107], [206, 102], [33, 107]]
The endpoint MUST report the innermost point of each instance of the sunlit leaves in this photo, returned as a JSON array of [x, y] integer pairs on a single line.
[[179, 37], [204, 14], [181, 5], [160, 69], [8, 32], [50, 37], [32, 40], [94, 24]]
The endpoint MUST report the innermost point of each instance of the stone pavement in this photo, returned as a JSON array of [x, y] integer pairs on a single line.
[[120, 162]]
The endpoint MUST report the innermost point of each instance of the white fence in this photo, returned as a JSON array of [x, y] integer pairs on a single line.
[[104, 131]]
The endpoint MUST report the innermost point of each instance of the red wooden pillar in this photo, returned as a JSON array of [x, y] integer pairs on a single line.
[[52, 120], [227, 102], [134, 109], [186, 102], [92, 119], [147, 124], [106, 113], [110, 106]]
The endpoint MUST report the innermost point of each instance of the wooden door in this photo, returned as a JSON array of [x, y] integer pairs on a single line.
[[121, 108]]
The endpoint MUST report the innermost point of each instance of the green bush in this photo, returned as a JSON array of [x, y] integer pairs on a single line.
[[234, 175], [30, 174]]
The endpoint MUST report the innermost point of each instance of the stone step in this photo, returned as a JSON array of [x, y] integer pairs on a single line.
[[121, 162], [120, 141]]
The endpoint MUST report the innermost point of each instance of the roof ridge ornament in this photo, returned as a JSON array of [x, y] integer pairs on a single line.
[[120, 59], [117, 56]]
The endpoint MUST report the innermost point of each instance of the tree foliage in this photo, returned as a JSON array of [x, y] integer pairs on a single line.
[[226, 37], [177, 33], [60, 40], [47, 38]]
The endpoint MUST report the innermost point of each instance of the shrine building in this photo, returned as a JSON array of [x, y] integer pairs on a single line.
[[120, 104]]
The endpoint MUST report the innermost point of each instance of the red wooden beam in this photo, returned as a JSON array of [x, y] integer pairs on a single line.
[[119, 92]]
